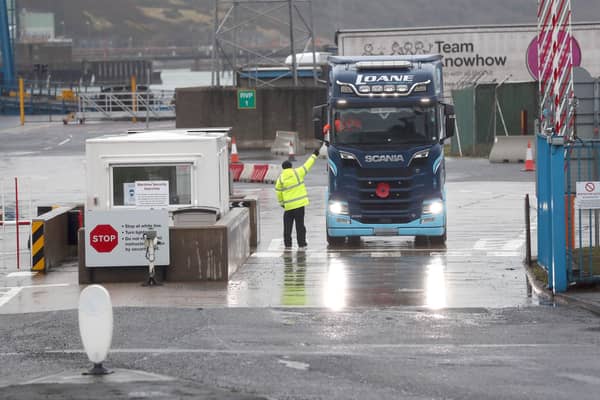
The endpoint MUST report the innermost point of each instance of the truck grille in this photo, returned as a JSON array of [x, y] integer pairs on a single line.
[[402, 205]]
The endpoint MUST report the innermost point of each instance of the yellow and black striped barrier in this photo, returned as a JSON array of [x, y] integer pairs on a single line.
[[38, 262]]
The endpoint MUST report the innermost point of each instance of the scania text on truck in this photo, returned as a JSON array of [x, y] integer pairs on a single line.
[[386, 126]]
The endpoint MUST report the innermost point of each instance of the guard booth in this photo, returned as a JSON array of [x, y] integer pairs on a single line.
[[164, 169], [169, 185]]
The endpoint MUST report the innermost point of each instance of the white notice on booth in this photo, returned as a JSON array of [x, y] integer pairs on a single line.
[[151, 193], [129, 194], [588, 196]]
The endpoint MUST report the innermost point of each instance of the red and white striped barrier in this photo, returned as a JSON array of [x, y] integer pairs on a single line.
[[273, 173], [246, 174], [258, 173], [236, 170], [555, 66]]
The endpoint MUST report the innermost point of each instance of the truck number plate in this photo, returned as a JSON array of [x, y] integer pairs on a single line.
[[386, 231]]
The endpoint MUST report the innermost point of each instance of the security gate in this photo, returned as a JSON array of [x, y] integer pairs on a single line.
[[582, 174]]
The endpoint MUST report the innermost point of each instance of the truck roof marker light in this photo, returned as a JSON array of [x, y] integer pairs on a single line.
[[389, 88], [364, 89], [376, 88], [346, 89], [391, 64], [402, 88]]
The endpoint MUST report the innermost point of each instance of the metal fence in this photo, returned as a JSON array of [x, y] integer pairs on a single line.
[[551, 230], [118, 105], [582, 164], [568, 234]]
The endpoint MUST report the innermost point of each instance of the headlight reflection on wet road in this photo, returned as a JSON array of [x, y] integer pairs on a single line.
[[435, 284], [336, 288]]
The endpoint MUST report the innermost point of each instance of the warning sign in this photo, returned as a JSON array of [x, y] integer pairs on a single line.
[[151, 193], [587, 196], [115, 238], [104, 238]]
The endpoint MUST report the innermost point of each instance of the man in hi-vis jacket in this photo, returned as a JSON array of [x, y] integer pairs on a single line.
[[292, 196]]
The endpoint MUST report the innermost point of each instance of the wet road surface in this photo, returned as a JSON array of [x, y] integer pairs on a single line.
[[378, 319], [479, 267]]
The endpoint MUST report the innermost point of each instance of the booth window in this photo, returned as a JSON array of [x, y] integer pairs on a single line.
[[178, 175]]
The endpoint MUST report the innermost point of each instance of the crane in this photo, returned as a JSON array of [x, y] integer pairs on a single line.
[[6, 45]]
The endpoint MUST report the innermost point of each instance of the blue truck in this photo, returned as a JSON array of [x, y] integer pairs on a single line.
[[385, 125]]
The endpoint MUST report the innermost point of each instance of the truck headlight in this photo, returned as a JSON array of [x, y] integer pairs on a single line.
[[338, 207], [433, 207], [347, 156], [419, 155]]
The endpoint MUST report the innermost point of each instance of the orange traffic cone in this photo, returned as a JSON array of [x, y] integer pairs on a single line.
[[291, 155], [529, 163], [235, 158]]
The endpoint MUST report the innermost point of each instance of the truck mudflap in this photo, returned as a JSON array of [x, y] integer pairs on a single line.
[[343, 225]]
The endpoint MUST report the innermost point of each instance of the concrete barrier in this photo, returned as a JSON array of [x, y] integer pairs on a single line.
[[253, 205], [273, 173], [281, 144], [50, 243], [511, 149], [280, 108], [246, 174], [212, 252]]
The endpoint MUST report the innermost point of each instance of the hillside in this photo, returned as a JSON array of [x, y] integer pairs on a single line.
[[122, 23]]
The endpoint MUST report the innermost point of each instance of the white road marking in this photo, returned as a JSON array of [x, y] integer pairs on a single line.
[[265, 254], [581, 378], [503, 254], [498, 244], [387, 254], [358, 348], [276, 244], [8, 296], [408, 290], [513, 245], [294, 364], [67, 140], [21, 274]]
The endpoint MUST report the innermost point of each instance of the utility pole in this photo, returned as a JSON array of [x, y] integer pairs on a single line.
[[292, 48], [215, 80], [312, 42]]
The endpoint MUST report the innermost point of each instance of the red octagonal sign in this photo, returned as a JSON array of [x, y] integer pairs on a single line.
[[104, 238]]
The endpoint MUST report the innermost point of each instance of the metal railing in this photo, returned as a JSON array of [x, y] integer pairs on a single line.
[[124, 105], [582, 164]]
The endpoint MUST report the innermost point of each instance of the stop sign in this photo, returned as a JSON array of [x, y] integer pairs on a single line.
[[104, 238]]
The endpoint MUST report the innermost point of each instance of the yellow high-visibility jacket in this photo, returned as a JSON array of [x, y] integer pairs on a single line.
[[290, 189]]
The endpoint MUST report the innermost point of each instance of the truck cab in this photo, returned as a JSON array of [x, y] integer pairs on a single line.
[[385, 126]]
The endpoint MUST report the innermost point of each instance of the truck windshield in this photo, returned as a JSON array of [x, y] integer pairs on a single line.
[[389, 125]]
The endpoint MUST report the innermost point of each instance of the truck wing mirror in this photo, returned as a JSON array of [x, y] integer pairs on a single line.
[[319, 121], [450, 120]]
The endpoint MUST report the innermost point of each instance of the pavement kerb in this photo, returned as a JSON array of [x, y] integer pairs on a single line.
[[560, 298]]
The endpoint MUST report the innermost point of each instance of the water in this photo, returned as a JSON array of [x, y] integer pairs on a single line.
[[183, 77]]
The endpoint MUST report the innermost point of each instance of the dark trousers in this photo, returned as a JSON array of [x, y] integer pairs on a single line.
[[289, 217]]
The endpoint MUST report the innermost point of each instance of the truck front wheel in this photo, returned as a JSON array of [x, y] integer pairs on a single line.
[[439, 240], [335, 240]]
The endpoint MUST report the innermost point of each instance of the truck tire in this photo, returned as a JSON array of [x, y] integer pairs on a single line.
[[438, 240], [421, 241], [354, 241], [335, 240]]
